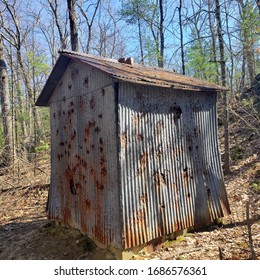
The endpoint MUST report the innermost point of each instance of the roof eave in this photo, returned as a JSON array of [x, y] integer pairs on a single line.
[[53, 80]]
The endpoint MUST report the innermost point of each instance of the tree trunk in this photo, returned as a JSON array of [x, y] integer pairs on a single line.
[[258, 5], [54, 9], [223, 80], [161, 30], [19, 110], [140, 40], [73, 25], [213, 39], [231, 53], [89, 22], [181, 34], [31, 103], [8, 151]]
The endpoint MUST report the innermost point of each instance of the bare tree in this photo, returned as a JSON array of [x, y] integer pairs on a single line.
[[73, 25], [181, 34], [230, 50], [213, 38], [8, 151], [62, 34], [17, 38], [223, 80], [161, 31], [89, 19]]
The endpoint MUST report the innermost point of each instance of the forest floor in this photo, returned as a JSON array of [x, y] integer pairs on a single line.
[[26, 232]]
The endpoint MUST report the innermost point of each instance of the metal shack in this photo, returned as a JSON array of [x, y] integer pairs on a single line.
[[134, 150]]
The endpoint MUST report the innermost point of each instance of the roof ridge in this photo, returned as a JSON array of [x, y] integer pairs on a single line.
[[65, 51]]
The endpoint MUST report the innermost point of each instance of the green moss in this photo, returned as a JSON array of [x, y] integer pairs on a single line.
[[255, 186], [236, 153]]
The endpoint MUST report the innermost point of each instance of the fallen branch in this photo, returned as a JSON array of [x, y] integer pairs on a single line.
[[184, 253], [24, 187], [255, 129], [25, 161], [20, 209], [6, 182]]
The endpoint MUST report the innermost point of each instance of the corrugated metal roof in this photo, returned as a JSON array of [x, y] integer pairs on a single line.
[[136, 73]]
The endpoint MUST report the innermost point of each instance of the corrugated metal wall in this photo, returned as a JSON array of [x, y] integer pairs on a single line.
[[170, 162], [135, 165], [84, 181]]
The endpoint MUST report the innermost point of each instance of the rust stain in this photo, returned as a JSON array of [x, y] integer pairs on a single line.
[[186, 175], [73, 135], [92, 102], [140, 216], [162, 206], [84, 164], [144, 159], [80, 103], [174, 186], [159, 179], [88, 203], [123, 139], [102, 162], [91, 124], [135, 119], [72, 186], [144, 198], [159, 153], [139, 137], [196, 131], [159, 128], [143, 163], [97, 129]]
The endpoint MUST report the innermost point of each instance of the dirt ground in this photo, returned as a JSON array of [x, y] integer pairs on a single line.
[[26, 233]]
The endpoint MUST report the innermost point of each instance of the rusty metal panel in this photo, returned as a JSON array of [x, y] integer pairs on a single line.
[[170, 164], [84, 182], [138, 73], [135, 73]]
